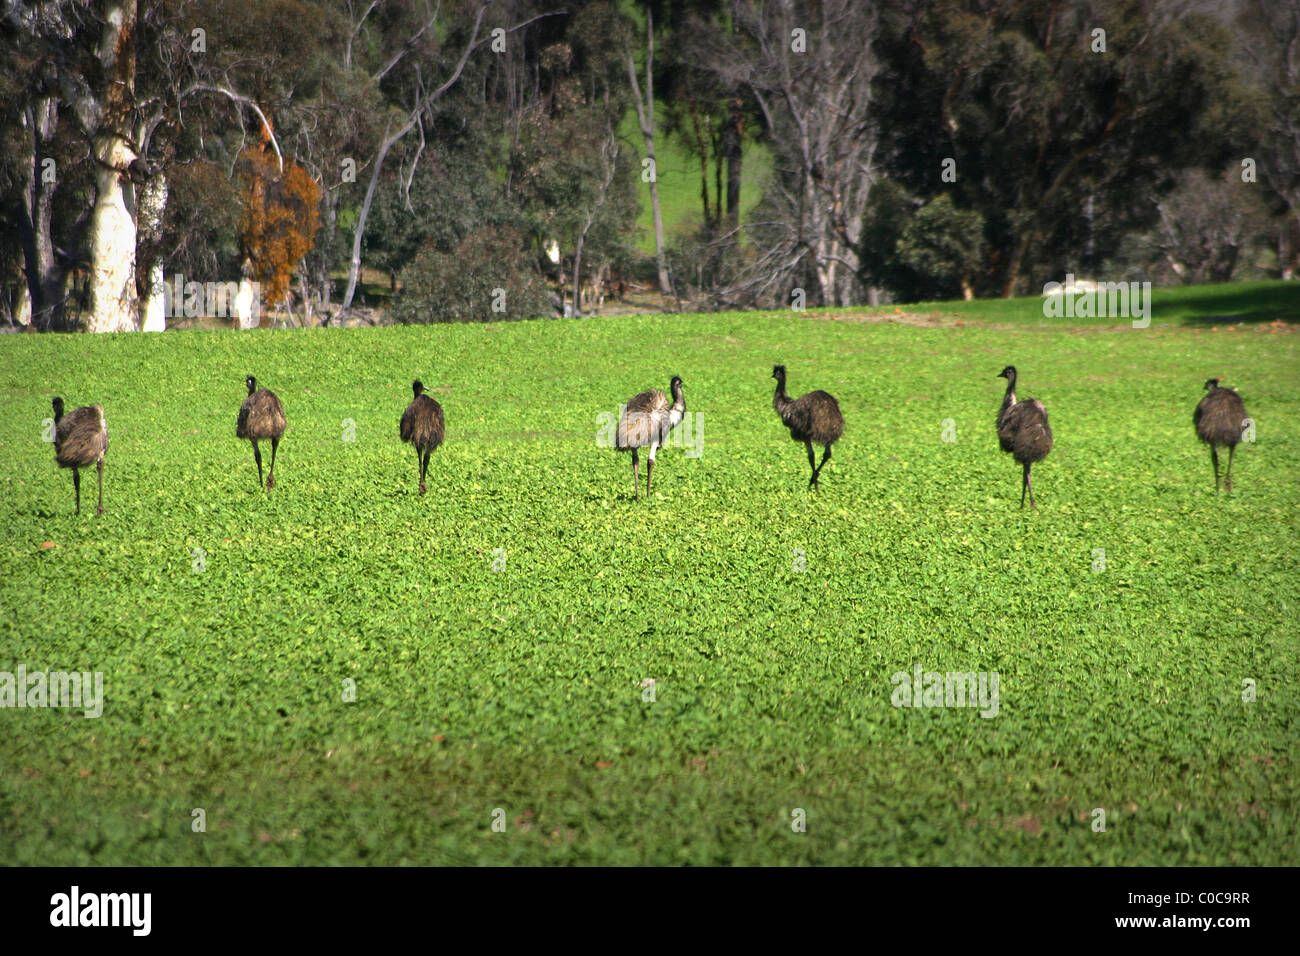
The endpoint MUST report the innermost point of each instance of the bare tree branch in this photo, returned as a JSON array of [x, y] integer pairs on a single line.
[[245, 101]]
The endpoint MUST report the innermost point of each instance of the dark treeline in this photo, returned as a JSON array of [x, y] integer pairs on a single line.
[[489, 159]]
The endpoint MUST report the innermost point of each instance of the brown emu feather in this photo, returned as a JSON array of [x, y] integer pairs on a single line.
[[422, 426], [812, 419], [1220, 419], [80, 440], [1023, 431], [261, 417], [647, 420]]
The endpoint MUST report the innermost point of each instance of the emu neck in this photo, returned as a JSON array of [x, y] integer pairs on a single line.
[[1010, 398], [679, 400], [780, 400]]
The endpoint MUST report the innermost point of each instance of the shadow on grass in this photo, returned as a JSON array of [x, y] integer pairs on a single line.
[[1248, 303]]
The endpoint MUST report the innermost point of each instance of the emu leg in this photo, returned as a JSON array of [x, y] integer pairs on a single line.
[[1214, 457], [649, 469], [636, 475], [76, 486], [257, 456], [270, 474], [1227, 482], [424, 467], [99, 465], [812, 463], [1024, 486], [826, 456]]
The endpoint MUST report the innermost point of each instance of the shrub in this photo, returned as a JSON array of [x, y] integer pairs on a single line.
[[280, 217], [488, 270]]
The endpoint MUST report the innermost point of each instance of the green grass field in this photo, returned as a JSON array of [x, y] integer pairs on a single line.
[[771, 619]]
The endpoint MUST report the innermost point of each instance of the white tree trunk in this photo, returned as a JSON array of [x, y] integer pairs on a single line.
[[151, 207], [155, 309], [114, 305], [113, 300], [23, 311], [248, 303]]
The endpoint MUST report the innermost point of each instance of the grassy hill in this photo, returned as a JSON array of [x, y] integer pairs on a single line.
[[679, 183], [499, 630]]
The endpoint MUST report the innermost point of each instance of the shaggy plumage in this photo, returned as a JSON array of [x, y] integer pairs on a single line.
[[1220, 419], [422, 426], [261, 417], [812, 419], [647, 420], [80, 440], [1023, 431]]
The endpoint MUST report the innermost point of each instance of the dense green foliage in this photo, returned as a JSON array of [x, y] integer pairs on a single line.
[[1062, 130], [795, 142], [940, 245], [519, 688]]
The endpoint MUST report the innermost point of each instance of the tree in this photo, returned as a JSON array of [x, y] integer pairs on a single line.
[[942, 245], [569, 173], [105, 112], [645, 113], [809, 67], [1056, 134], [281, 213], [402, 123], [439, 194], [483, 279], [1270, 34], [1209, 230], [708, 110], [126, 78], [80, 63], [200, 235], [45, 173]]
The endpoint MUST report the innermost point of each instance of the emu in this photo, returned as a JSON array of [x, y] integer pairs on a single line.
[[422, 426], [1023, 431], [1220, 419], [812, 419], [261, 417], [647, 419], [80, 440]]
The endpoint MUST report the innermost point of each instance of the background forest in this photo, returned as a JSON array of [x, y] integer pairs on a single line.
[[444, 161]]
